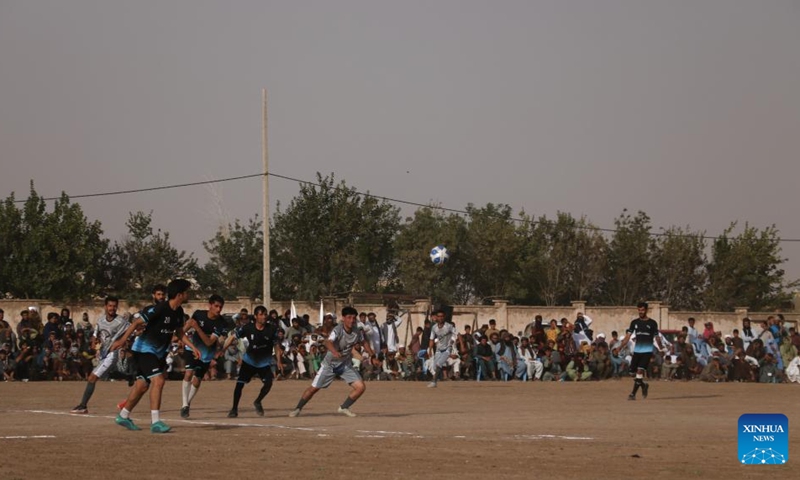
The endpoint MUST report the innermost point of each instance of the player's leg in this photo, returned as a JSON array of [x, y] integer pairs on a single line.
[[98, 372], [357, 386], [186, 385], [439, 361], [266, 385], [324, 378], [245, 374]]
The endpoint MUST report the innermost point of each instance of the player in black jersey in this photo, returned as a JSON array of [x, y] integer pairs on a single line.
[[261, 338], [205, 328], [645, 330]]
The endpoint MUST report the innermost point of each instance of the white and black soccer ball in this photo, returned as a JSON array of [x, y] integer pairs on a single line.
[[439, 255]]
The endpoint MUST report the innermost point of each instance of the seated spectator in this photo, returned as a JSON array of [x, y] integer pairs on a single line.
[[577, 370], [551, 363], [768, 371], [689, 368], [484, 357], [508, 363], [600, 361], [670, 367], [793, 370], [713, 371], [408, 364], [741, 369], [787, 350], [530, 357], [7, 366], [619, 366], [391, 367]]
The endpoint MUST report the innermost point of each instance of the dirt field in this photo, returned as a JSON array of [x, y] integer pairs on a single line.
[[404, 430]]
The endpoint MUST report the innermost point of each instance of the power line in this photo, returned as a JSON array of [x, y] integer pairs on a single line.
[[363, 194]]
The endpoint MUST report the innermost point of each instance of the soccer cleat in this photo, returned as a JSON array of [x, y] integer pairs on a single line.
[[294, 412], [645, 387], [631, 397], [233, 413], [121, 404], [259, 409], [126, 422], [432, 385], [184, 412], [80, 409], [346, 411], [159, 427]]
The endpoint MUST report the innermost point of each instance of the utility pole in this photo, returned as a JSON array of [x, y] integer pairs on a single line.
[[265, 206]]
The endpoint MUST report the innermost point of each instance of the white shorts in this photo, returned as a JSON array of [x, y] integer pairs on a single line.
[[106, 363], [441, 358], [326, 375]]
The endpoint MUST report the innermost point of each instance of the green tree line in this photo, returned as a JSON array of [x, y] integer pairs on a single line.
[[332, 240]]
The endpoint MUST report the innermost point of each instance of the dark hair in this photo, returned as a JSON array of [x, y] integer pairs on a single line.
[[642, 305], [159, 288], [437, 312], [65, 310], [690, 319], [243, 310], [177, 286], [216, 299], [2, 311], [272, 311], [260, 309], [52, 315], [110, 299], [349, 311]]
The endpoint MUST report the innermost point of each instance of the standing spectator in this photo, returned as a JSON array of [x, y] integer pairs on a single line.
[[747, 333], [85, 325], [582, 327], [466, 348], [52, 326], [389, 333], [25, 324], [64, 317], [492, 328]]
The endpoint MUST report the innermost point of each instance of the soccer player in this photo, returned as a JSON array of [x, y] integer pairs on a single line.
[[338, 362], [110, 327], [160, 323], [442, 338], [646, 330], [261, 338], [206, 327]]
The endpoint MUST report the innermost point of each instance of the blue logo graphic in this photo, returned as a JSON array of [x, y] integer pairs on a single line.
[[763, 439]]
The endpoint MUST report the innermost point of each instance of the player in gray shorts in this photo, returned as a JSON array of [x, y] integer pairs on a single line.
[[110, 327], [443, 335], [338, 362]]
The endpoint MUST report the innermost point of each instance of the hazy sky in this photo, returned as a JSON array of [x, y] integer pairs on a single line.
[[688, 110]]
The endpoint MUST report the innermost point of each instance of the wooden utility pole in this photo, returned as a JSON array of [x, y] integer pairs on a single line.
[[265, 206]]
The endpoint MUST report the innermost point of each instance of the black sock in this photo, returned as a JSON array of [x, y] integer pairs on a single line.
[[237, 394], [348, 402], [265, 388], [301, 403], [636, 384], [87, 394]]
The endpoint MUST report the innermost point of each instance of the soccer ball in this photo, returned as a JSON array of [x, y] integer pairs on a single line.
[[439, 255]]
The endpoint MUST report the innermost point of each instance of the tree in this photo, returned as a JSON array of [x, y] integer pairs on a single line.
[[237, 262], [491, 252], [143, 259], [627, 275], [679, 273], [331, 240], [415, 273], [745, 270]]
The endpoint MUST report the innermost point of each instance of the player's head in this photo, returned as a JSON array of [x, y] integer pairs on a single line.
[[260, 313], [438, 316], [642, 308], [111, 304], [349, 315], [159, 293], [215, 304], [178, 288]]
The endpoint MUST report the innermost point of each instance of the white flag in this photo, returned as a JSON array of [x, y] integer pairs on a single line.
[[292, 313], [321, 312]]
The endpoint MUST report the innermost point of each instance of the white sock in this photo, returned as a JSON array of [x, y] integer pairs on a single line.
[[185, 391], [192, 392], [125, 413], [155, 416]]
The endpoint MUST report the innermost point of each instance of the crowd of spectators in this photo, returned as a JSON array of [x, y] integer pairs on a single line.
[[60, 349]]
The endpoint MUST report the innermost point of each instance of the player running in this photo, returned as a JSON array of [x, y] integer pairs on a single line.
[[160, 323], [646, 330], [443, 336], [206, 327], [338, 362], [261, 337], [109, 328]]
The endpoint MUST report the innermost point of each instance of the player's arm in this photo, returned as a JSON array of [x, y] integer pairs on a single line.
[[624, 341], [180, 333], [368, 348], [279, 356], [208, 340], [331, 348], [120, 342], [233, 335]]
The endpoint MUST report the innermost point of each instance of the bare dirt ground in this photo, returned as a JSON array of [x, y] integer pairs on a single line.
[[404, 430]]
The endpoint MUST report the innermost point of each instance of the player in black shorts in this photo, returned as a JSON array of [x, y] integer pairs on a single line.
[[205, 328], [261, 338], [645, 330]]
